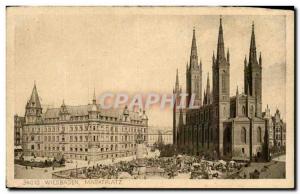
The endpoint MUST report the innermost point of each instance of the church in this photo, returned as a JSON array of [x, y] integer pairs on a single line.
[[231, 127]]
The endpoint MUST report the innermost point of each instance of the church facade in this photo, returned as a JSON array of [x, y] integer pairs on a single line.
[[230, 126]]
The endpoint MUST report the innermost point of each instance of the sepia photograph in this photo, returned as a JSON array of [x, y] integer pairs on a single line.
[[150, 97]]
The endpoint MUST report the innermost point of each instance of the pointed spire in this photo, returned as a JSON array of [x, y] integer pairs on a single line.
[[94, 97], [237, 91], [228, 56], [177, 81], [245, 60], [207, 84], [220, 47], [208, 89], [200, 63], [34, 100], [204, 98], [194, 56], [260, 60], [252, 52]]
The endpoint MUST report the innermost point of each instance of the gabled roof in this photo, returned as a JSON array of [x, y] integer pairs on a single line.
[[83, 110]]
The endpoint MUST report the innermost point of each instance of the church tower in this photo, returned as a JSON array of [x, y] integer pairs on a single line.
[[253, 76], [221, 99], [221, 75], [33, 110], [176, 111], [194, 75]]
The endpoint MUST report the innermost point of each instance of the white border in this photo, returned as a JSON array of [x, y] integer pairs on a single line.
[[5, 3]]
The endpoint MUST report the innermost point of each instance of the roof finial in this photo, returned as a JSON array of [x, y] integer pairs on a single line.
[[94, 97]]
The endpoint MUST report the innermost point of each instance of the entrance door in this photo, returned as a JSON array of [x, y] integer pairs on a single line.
[[227, 142]]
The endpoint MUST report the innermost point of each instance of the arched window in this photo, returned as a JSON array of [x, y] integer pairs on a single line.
[[243, 135], [259, 135], [223, 83], [251, 111]]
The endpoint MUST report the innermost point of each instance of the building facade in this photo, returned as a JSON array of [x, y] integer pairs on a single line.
[[84, 132], [158, 135], [276, 129], [231, 126], [18, 125]]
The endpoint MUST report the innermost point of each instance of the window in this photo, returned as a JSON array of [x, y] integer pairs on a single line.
[[259, 140], [223, 83], [251, 111], [243, 135]]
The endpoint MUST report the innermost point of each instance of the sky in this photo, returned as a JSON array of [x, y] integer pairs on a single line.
[[70, 54]]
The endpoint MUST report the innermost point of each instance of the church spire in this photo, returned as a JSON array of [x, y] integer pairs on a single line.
[[252, 52], [177, 82], [220, 47], [208, 89], [94, 97], [228, 56], [260, 60], [194, 56]]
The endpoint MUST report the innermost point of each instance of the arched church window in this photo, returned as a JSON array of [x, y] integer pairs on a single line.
[[251, 111], [259, 135], [243, 135], [223, 83]]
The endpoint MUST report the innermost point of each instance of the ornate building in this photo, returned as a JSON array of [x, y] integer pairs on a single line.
[[231, 126], [84, 132], [276, 129]]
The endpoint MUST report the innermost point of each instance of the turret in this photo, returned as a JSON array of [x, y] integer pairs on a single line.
[[145, 118], [208, 94], [93, 112], [228, 56], [237, 102], [33, 108]]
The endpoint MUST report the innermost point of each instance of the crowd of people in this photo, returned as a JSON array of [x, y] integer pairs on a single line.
[[193, 166]]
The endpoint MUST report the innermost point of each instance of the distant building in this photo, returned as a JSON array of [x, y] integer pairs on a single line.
[[276, 129], [84, 132], [158, 135], [18, 125]]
